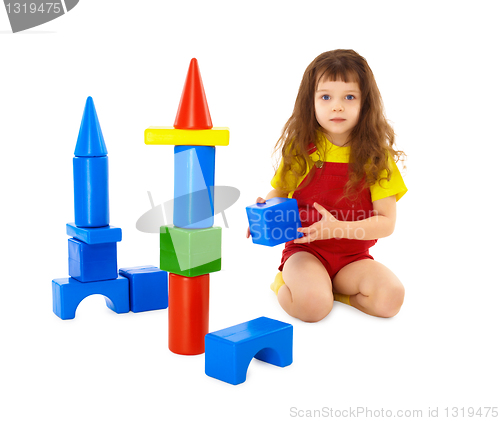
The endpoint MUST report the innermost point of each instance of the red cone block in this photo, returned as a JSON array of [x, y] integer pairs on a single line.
[[193, 112]]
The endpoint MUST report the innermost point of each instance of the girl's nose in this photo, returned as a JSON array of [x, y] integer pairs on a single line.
[[337, 107]]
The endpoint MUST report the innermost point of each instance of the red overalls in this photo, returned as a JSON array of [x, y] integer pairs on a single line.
[[327, 188]]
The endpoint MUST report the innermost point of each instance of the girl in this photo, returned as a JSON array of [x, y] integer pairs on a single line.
[[338, 161]]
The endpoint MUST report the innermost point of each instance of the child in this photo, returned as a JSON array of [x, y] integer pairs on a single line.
[[338, 161]]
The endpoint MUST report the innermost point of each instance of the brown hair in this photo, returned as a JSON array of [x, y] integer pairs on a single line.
[[371, 140]]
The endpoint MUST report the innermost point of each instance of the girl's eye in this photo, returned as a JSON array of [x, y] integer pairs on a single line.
[[349, 97], [325, 97]]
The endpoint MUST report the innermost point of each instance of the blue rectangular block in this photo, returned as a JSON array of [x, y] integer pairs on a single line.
[[148, 288], [92, 262], [194, 176], [99, 235], [274, 222]]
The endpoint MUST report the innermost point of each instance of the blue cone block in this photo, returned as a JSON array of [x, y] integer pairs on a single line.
[[90, 139], [90, 173], [148, 288], [194, 176], [274, 222], [67, 293], [228, 352], [92, 262]]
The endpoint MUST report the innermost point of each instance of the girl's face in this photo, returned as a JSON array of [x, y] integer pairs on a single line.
[[337, 105]]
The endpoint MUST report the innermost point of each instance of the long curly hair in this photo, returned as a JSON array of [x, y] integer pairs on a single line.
[[371, 140]]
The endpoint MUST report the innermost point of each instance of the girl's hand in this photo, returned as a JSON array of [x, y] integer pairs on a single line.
[[259, 200], [321, 230]]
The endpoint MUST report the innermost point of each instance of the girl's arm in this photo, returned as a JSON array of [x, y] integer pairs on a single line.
[[275, 193], [378, 226], [272, 194]]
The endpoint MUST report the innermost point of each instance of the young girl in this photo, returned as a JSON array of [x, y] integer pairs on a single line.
[[338, 161]]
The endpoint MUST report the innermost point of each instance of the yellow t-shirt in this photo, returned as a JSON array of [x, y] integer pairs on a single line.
[[328, 152]]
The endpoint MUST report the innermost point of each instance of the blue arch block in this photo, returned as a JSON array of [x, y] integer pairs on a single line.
[[228, 352], [67, 294]]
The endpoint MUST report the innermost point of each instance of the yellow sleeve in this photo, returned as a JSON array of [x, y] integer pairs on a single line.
[[290, 181], [384, 188]]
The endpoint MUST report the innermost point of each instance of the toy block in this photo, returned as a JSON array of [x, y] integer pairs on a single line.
[[167, 135], [194, 175], [193, 112], [90, 140], [190, 252], [193, 125], [148, 288], [274, 222], [90, 173], [171, 260], [100, 235], [92, 262], [90, 177], [67, 294], [188, 313], [228, 352]]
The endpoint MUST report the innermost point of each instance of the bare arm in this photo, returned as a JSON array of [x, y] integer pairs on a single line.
[[275, 193]]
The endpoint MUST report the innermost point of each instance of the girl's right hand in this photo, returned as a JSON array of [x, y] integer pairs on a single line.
[[259, 200]]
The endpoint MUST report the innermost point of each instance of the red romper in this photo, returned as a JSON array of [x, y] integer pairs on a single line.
[[327, 189]]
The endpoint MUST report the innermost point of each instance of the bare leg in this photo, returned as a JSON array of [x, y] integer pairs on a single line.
[[307, 293], [372, 288]]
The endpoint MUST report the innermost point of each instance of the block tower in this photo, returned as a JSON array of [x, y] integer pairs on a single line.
[[92, 250], [190, 249]]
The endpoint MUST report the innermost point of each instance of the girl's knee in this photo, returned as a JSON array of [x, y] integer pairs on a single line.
[[311, 296], [389, 301], [314, 306]]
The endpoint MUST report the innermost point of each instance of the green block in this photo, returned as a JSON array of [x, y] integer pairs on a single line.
[[169, 263], [190, 252]]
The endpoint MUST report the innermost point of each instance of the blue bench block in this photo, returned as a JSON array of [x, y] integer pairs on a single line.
[[100, 235], [92, 262], [194, 176], [228, 352], [274, 222], [148, 288], [67, 294]]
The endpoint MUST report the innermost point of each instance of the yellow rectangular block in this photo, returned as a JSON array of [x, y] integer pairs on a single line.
[[164, 135]]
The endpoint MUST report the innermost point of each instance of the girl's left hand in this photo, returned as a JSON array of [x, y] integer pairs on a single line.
[[321, 230]]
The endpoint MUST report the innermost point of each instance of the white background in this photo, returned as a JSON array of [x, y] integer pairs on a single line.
[[436, 64]]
